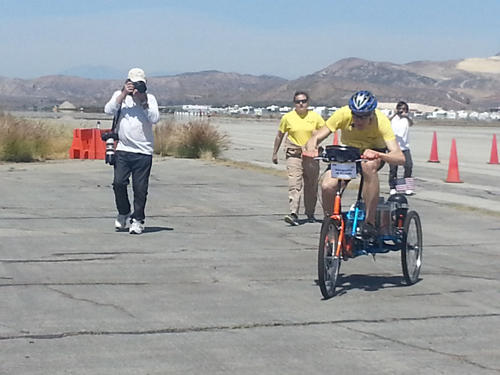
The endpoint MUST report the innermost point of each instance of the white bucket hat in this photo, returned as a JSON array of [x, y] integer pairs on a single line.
[[136, 75]]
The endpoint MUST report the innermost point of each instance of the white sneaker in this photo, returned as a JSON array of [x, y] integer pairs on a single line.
[[393, 191], [136, 227], [409, 192], [292, 219], [121, 222]]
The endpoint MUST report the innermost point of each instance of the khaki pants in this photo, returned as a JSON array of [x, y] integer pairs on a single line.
[[302, 177]]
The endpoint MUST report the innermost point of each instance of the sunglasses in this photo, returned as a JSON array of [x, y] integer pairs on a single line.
[[361, 117], [301, 101]]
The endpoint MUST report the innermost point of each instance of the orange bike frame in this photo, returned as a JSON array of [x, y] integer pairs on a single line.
[[337, 216]]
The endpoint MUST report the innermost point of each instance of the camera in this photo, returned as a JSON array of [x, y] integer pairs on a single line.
[[140, 86], [110, 138]]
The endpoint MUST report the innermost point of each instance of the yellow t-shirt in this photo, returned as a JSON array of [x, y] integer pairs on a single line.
[[374, 136], [300, 127]]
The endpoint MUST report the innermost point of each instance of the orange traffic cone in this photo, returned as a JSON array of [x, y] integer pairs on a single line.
[[336, 139], [453, 175], [434, 150], [494, 151]]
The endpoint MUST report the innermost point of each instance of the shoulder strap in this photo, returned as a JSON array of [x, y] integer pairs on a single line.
[[115, 119]]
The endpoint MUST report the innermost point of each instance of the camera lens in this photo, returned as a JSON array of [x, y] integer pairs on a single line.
[[140, 86]]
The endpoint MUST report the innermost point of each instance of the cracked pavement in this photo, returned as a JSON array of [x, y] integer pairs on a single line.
[[218, 284]]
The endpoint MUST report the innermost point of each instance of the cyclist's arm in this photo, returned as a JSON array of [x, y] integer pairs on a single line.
[[395, 156], [318, 136]]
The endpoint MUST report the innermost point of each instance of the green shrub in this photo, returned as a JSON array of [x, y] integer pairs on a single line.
[[24, 141], [195, 139], [21, 150]]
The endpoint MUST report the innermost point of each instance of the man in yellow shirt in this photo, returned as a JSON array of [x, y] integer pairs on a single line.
[[365, 127], [303, 172]]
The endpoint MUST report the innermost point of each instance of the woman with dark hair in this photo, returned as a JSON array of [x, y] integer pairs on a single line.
[[303, 172]]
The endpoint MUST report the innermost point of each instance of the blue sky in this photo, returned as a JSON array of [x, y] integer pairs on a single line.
[[286, 38]]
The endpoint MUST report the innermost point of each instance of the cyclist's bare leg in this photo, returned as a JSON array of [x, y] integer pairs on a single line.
[[328, 191], [371, 188]]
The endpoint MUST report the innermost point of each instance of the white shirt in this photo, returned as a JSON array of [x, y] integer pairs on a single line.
[[135, 125], [401, 128]]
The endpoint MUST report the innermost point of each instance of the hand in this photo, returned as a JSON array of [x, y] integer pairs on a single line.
[[370, 155], [128, 88], [275, 159]]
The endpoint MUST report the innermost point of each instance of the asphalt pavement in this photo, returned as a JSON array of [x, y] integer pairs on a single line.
[[219, 284]]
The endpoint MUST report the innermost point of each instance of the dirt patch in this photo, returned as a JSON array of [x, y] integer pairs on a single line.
[[489, 65]]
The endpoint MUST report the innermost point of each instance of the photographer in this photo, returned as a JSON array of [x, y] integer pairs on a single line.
[[401, 122], [137, 111]]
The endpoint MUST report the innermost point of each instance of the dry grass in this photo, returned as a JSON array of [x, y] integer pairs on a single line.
[[25, 141], [251, 167], [195, 139], [164, 138]]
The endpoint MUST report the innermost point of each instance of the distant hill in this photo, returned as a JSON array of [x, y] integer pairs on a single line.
[[213, 87], [94, 72], [210, 87], [163, 73], [458, 84], [461, 84]]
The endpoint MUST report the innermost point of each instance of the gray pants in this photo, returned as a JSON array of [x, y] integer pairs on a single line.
[[139, 167], [408, 167]]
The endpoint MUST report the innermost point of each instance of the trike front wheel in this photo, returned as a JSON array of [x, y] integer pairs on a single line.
[[328, 258], [411, 251]]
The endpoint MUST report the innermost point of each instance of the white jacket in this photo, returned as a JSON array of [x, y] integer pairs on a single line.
[[135, 125]]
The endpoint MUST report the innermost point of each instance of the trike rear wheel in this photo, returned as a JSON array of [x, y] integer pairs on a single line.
[[411, 251], [328, 260]]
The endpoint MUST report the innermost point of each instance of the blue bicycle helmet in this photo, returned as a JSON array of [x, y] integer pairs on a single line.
[[363, 102]]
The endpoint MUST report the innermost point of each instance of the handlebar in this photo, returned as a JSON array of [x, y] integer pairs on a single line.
[[326, 160], [338, 154]]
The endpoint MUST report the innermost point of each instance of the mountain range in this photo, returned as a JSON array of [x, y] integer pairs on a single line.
[[472, 83]]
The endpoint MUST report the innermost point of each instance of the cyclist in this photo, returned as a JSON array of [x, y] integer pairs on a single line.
[[367, 128]]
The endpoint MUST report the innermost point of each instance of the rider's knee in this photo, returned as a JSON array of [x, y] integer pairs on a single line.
[[329, 184], [370, 169]]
